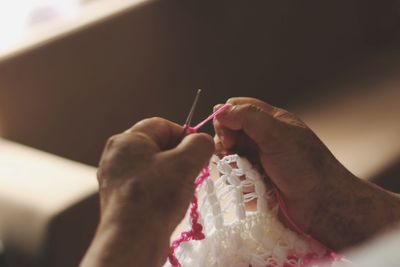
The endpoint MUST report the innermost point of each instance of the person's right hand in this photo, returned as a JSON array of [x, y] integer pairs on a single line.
[[321, 195], [146, 177]]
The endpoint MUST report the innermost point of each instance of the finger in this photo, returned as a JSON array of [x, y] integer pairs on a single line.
[[257, 124], [220, 150], [190, 156], [279, 113], [162, 132], [252, 101], [217, 106], [226, 136], [217, 143]]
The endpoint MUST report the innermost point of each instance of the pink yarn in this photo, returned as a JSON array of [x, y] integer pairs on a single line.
[[196, 233], [282, 207], [212, 116]]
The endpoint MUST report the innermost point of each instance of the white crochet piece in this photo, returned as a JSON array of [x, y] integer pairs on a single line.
[[238, 212]]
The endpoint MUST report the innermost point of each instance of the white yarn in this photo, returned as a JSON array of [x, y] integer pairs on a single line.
[[238, 212]]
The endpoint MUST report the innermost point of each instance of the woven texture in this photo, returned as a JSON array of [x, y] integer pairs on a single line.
[[239, 214]]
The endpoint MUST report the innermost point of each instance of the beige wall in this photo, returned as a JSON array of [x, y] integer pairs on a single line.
[[68, 96]]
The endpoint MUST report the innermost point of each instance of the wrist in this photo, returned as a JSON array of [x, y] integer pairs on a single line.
[[161, 207], [117, 244], [130, 215], [350, 210]]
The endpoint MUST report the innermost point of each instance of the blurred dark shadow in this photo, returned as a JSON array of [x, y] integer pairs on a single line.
[[67, 238], [68, 96], [69, 232], [390, 179]]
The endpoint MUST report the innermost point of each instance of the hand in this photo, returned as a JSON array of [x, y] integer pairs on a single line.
[[142, 167], [146, 177], [321, 195]]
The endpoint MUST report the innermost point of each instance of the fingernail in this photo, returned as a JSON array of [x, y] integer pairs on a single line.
[[225, 111], [216, 107], [230, 107]]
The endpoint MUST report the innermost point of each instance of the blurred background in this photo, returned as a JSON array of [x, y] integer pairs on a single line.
[[74, 72]]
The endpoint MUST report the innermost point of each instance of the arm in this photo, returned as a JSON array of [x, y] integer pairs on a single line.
[[146, 183], [321, 195]]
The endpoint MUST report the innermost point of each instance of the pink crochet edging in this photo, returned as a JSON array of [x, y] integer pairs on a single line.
[[196, 233]]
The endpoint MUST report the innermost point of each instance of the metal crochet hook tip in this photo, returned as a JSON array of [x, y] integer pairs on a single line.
[[190, 115]]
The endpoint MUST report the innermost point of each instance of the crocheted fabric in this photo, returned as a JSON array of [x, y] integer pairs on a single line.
[[239, 214]]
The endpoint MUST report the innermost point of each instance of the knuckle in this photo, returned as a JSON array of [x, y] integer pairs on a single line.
[[110, 141], [115, 142], [117, 149], [237, 100], [101, 174], [289, 118], [104, 171], [281, 113], [118, 159], [252, 115], [232, 100], [149, 123], [152, 120], [251, 108]]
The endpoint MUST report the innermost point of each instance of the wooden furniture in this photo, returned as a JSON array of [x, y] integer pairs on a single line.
[[49, 207]]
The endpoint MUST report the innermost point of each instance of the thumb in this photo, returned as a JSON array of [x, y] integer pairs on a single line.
[[260, 126], [190, 156]]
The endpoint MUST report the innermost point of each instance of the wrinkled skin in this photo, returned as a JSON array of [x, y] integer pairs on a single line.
[[321, 195], [146, 177]]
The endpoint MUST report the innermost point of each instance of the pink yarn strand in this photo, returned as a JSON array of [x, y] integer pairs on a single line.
[[196, 231], [212, 116], [282, 207]]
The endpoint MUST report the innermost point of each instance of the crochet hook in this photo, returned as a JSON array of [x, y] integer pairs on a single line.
[[190, 115]]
